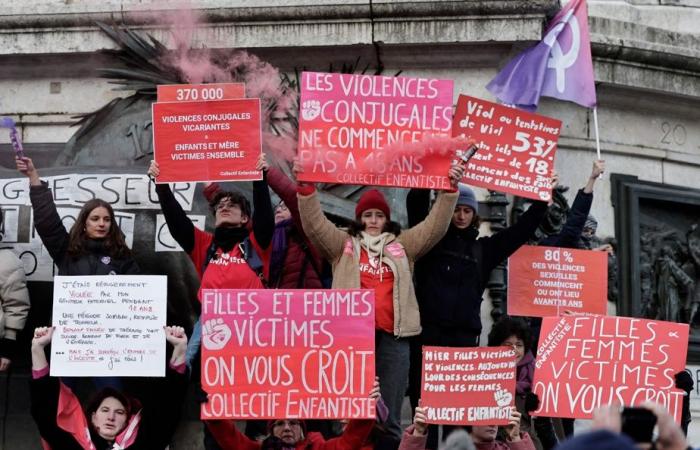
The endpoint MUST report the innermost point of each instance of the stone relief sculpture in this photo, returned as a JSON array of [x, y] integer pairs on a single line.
[[669, 269]]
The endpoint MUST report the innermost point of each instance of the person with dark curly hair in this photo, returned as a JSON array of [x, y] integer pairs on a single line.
[[94, 245], [515, 333]]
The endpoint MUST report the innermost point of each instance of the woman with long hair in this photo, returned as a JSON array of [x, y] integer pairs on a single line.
[[94, 245], [375, 254]]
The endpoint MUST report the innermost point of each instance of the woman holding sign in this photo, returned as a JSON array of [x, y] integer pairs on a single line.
[[375, 254], [94, 246], [112, 419]]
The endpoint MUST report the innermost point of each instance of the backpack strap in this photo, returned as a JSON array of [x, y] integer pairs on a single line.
[[211, 253], [253, 259]]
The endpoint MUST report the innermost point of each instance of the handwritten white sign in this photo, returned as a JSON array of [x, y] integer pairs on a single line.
[[109, 326]]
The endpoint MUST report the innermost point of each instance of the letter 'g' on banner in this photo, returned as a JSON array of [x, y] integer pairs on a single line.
[[375, 130], [468, 386], [269, 354], [516, 148]]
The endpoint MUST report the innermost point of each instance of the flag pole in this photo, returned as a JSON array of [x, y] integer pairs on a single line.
[[595, 125]]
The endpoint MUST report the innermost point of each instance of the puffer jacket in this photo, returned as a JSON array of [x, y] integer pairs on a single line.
[[95, 261], [14, 302], [342, 251]]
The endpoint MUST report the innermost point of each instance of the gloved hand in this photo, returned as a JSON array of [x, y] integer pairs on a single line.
[[532, 401], [684, 381]]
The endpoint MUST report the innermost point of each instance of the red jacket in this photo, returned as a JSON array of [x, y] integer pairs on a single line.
[[353, 438]]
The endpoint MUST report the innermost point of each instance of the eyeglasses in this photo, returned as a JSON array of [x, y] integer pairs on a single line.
[[286, 423], [514, 345]]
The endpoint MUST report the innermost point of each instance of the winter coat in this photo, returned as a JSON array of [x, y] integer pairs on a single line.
[[229, 438], [525, 373], [570, 234], [61, 420], [95, 261], [301, 263], [452, 277], [14, 302], [341, 250]]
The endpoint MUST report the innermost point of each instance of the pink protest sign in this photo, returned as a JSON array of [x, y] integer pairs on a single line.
[[587, 362], [375, 130], [277, 353]]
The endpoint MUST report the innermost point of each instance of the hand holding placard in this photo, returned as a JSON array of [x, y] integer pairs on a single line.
[[513, 427]]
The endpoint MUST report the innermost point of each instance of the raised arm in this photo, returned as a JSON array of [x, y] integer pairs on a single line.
[[263, 217], [322, 233], [163, 403], [501, 245], [180, 226], [44, 394], [46, 219], [286, 189]]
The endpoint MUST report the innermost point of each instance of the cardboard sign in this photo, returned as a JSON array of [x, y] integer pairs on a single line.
[[468, 386], [109, 326], [516, 148], [200, 92], [547, 281], [287, 353], [207, 141], [375, 130], [585, 362]]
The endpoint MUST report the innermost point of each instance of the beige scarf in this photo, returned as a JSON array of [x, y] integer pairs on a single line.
[[374, 245]]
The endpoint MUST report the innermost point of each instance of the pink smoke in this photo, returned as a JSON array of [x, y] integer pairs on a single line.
[[197, 64]]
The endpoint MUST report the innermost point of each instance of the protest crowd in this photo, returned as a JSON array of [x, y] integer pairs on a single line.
[[320, 334]]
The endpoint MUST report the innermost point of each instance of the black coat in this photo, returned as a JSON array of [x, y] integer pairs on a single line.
[[95, 261], [450, 280]]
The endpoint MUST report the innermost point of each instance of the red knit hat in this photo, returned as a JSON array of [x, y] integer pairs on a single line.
[[372, 199]]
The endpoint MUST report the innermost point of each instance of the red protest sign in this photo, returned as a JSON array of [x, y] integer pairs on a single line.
[[375, 130], [546, 281], [281, 353], [585, 362], [200, 92], [468, 386], [516, 148], [207, 141]]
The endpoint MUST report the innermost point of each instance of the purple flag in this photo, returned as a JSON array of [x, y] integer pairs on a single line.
[[559, 66]]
